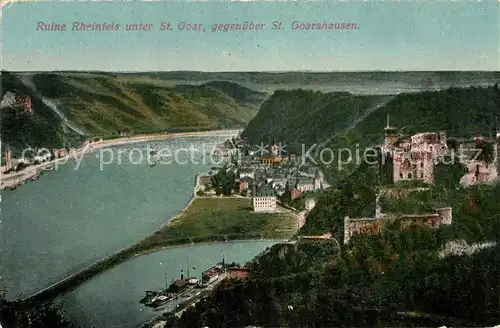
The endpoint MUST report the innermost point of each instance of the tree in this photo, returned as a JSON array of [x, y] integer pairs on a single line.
[[15, 314]]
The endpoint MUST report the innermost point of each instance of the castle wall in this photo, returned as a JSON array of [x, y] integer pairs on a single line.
[[416, 161], [445, 215], [413, 165], [431, 220], [366, 226], [370, 226], [479, 172], [400, 192]]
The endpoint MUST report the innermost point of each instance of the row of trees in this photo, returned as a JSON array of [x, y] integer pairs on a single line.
[[223, 181]]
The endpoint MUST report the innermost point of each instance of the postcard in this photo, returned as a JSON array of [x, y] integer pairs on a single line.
[[249, 164]]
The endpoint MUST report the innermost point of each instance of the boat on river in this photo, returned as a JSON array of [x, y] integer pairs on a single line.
[[160, 300], [150, 295], [178, 288]]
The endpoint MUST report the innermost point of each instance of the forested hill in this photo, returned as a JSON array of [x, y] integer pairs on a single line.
[[104, 104], [459, 112], [397, 278], [301, 116], [304, 116]]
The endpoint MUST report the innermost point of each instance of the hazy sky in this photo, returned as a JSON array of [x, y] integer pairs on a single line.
[[390, 36]]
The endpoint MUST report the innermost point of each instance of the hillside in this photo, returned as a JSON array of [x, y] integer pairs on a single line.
[[306, 117], [396, 278], [102, 104], [105, 104], [344, 121], [43, 128], [461, 112]]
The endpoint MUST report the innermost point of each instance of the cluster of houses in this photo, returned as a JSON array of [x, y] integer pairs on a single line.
[[267, 175]]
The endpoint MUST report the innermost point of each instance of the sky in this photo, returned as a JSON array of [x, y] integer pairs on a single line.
[[390, 36]]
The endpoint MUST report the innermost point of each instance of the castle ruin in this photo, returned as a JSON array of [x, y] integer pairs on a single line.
[[415, 157], [375, 225]]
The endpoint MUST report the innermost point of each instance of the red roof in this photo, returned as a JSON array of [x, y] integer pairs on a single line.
[[239, 273]]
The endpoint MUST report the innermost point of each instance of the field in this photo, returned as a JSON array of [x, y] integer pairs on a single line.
[[215, 219]]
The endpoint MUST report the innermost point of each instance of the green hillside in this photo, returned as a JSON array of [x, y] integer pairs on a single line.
[[106, 104], [394, 279], [458, 111], [297, 79], [350, 122], [42, 129], [306, 117]]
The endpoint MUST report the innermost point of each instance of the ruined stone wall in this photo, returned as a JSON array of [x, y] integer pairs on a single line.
[[445, 215], [369, 226], [366, 226], [417, 161], [434, 142], [400, 192], [442, 216], [402, 168], [431, 220], [479, 172]]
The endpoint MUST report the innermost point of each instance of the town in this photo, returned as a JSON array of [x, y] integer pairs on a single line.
[[275, 177], [268, 177]]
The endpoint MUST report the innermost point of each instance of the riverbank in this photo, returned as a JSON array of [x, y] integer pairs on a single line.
[[202, 220], [163, 136], [9, 181], [205, 218], [79, 278]]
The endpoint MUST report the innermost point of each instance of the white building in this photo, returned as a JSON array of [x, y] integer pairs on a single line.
[[247, 173], [264, 199]]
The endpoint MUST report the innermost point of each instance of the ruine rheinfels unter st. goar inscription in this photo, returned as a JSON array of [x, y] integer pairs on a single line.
[[184, 26]]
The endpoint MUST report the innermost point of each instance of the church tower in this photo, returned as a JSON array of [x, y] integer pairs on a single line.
[[274, 148], [391, 135], [317, 180]]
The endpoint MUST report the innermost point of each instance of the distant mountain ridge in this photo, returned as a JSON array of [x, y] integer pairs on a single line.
[[306, 79]]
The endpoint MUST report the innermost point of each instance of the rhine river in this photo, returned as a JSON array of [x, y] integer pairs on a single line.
[[111, 300], [70, 218]]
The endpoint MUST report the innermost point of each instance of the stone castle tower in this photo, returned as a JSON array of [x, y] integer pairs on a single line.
[[391, 135]]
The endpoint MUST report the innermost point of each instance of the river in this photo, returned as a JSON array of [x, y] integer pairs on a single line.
[[112, 299], [76, 215]]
